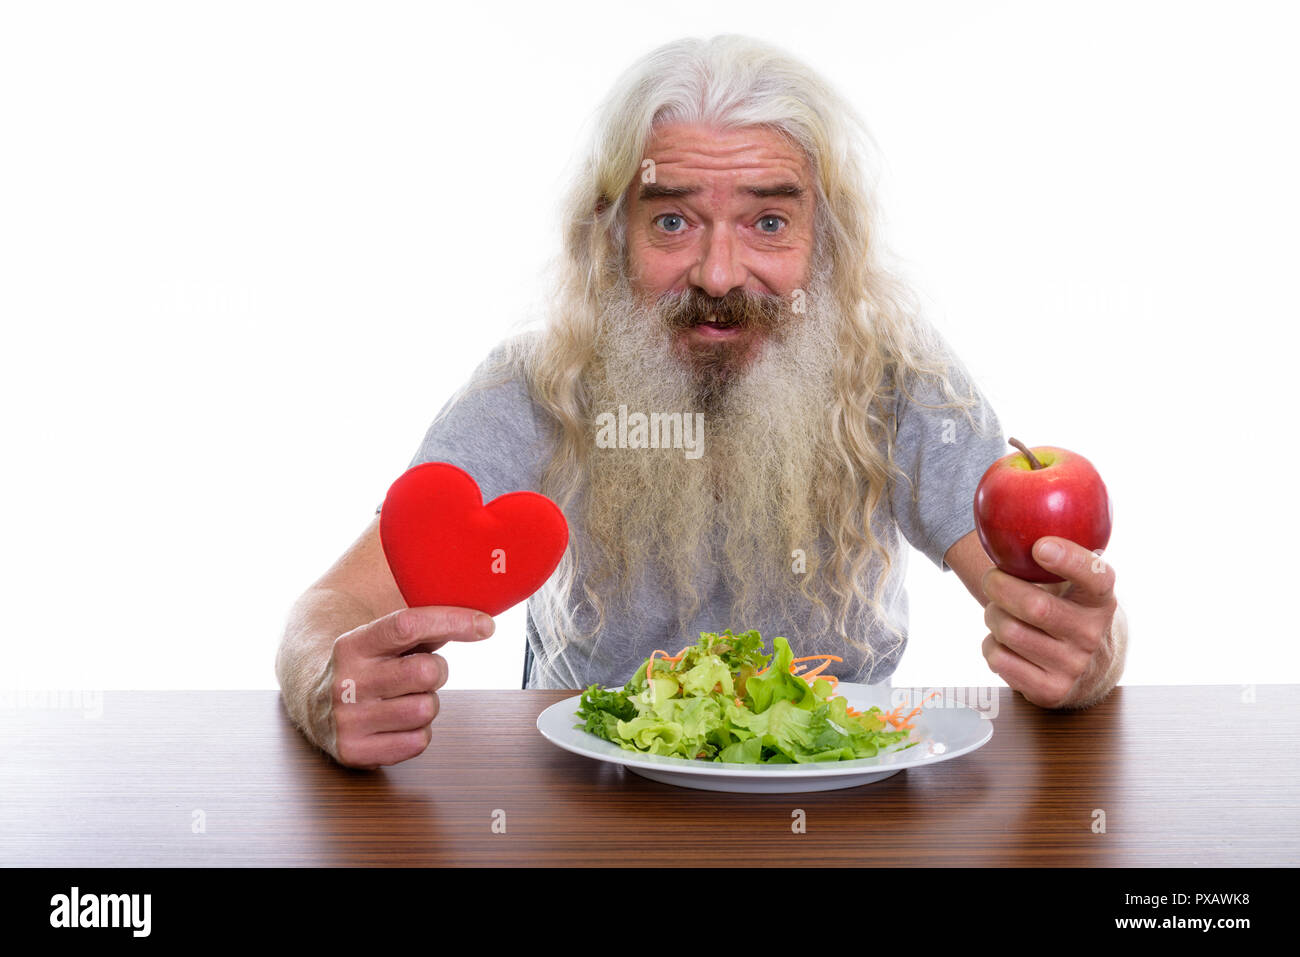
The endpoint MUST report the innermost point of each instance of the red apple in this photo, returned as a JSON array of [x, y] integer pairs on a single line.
[[1037, 492]]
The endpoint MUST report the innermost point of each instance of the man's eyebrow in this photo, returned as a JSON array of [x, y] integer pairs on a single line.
[[793, 190], [655, 191]]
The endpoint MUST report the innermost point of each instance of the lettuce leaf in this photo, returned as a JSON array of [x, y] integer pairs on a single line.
[[712, 704], [777, 684]]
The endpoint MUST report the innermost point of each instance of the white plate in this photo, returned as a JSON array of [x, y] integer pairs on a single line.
[[944, 730]]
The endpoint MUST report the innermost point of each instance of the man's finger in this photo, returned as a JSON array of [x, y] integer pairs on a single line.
[[405, 674], [1043, 688], [424, 647], [408, 628], [1035, 606], [1092, 577], [407, 713], [1034, 645], [379, 750]]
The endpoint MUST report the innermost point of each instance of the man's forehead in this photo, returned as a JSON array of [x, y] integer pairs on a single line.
[[746, 154]]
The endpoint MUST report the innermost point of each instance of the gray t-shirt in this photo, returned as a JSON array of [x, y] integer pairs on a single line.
[[500, 437]]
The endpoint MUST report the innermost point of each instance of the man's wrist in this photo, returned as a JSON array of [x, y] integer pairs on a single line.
[[307, 691], [319, 718], [305, 663]]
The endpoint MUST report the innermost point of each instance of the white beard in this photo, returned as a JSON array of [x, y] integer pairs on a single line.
[[766, 439]]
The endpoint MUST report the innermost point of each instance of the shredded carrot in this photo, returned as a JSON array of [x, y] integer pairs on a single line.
[[795, 661], [816, 671], [903, 722], [650, 663]]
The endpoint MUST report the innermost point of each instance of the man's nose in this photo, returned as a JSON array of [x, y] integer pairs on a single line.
[[719, 270]]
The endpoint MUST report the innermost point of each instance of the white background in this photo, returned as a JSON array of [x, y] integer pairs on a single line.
[[247, 250]]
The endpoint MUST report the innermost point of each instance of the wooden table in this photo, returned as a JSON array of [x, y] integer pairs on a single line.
[[1187, 776]]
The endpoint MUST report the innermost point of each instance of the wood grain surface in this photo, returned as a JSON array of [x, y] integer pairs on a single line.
[[1185, 776]]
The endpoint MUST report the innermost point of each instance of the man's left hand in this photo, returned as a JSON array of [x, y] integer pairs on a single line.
[[1058, 645]]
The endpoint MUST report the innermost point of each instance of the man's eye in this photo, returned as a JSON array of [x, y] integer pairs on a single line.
[[771, 224], [666, 218]]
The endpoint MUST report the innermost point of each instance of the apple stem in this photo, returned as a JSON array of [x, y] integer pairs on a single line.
[[1033, 462]]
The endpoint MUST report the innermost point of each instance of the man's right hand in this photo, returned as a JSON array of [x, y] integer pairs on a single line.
[[385, 679]]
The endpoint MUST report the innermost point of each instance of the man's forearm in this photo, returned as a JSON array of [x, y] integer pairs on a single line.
[[1090, 692], [303, 662]]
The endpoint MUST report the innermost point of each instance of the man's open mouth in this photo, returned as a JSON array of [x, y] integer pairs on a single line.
[[734, 317]]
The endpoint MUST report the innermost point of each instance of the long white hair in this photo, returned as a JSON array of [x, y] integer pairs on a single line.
[[883, 345]]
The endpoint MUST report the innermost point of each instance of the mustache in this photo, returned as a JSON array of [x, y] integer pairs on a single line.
[[740, 308]]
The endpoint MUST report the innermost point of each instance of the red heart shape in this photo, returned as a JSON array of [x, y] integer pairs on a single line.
[[445, 547]]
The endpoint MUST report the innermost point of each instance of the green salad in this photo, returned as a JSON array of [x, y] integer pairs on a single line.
[[720, 700]]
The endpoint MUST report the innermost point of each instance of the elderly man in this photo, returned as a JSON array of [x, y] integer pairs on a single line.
[[784, 421]]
